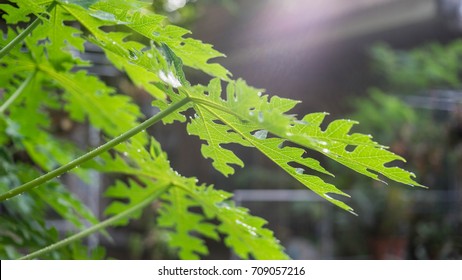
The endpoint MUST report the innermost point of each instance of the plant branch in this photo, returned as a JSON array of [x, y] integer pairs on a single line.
[[18, 39], [100, 226], [17, 93], [90, 155]]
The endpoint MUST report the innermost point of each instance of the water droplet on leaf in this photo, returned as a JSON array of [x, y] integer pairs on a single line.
[[260, 117], [299, 170], [169, 78], [261, 134], [132, 55]]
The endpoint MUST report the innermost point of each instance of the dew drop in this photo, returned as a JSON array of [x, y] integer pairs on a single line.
[[261, 134], [299, 170], [169, 78], [251, 113], [250, 229], [132, 55], [260, 117], [125, 153], [139, 150], [281, 145], [288, 134], [324, 143], [325, 151], [149, 55], [259, 93]]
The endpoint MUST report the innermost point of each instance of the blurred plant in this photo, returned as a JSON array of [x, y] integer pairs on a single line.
[[427, 67], [425, 137], [42, 71]]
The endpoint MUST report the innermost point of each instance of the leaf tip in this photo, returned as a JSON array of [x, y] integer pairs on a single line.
[[351, 211]]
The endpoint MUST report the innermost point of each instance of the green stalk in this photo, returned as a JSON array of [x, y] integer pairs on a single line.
[[125, 214], [215, 106], [18, 39], [17, 93], [88, 156]]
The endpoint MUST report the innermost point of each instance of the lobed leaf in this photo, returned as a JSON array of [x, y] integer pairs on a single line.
[[24, 9], [137, 17], [246, 117], [135, 193], [244, 233]]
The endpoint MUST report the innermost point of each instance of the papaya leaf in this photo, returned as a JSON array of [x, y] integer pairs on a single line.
[[244, 233], [192, 52], [152, 53], [24, 9], [185, 225], [249, 118], [135, 193]]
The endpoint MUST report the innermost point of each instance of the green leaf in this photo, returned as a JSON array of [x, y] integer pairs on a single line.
[[244, 233], [152, 53], [186, 226], [135, 193], [24, 9], [66, 205], [88, 97], [192, 52], [23, 220], [61, 38], [248, 118], [366, 157]]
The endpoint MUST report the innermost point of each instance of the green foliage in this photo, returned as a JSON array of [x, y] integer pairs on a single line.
[[153, 53], [243, 232], [433, 65], [426, 136]]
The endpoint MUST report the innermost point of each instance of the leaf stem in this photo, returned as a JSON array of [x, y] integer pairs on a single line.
[[90, 155], [17, 93], [18, 39], [125, 214], [215, 106]]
